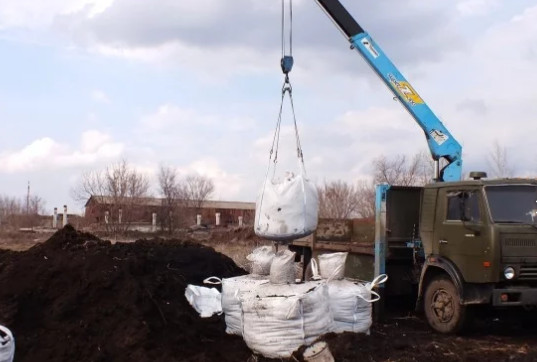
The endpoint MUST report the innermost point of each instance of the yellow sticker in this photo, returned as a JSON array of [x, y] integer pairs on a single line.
[[406, 91]]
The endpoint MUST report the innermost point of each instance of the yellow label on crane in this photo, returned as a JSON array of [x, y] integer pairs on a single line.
[[406, 91]]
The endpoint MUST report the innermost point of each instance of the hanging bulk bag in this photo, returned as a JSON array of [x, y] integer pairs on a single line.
[[287, 208]]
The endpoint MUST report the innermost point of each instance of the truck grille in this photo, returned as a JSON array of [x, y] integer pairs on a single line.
[[519, 246], [520, 243], [528, 272]]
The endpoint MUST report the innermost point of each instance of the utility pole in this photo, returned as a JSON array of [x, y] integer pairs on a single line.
[[28, 199]]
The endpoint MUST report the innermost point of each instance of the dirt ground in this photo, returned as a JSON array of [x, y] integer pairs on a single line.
[[75, 297]]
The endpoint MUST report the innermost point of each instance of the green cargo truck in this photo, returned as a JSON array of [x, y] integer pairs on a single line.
[[452, 245]]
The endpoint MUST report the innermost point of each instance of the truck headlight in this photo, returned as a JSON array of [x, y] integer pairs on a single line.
[[509, 273]]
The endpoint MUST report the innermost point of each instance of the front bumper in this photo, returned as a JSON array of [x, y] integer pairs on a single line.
[[514, 297]]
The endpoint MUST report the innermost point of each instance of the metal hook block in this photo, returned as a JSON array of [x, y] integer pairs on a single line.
[[286, 63]]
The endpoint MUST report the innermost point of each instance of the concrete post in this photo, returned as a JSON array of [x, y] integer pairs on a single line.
[[154, 222], [55, 218], [106, 216], [120, 215], [217, 221], [240, 220], [198, 219], [64, 215]]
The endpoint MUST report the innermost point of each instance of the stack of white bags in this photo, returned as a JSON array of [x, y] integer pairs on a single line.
[[275, 315]]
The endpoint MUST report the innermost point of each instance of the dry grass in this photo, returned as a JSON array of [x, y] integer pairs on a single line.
[[21, 241], [237, 249]]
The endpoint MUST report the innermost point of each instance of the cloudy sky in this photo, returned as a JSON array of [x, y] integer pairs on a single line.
[[196, 84]]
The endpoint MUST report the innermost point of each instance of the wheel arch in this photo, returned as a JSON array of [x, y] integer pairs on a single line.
[[432, 269]]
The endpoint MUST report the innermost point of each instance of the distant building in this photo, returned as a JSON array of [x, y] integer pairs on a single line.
[[141, 210]]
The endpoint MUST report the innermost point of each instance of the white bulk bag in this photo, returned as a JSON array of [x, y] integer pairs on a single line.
[[350, 304], [278, 319], [261, 259], [206, 301], [232, 289], [7, 345], [287, 209]]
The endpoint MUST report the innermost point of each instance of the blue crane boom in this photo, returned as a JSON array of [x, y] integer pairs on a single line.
[[442, 144]]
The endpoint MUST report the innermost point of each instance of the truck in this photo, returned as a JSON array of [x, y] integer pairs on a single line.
[[453, 245]]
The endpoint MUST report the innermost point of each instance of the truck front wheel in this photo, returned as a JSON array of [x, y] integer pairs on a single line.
[[443, 309]]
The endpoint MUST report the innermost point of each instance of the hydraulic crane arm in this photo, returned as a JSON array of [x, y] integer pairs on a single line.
[[441, 143]]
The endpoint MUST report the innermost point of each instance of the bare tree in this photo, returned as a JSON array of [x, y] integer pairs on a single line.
[[173, 202], [400, 171], [498, 161], [338, 200], [16, 212], [365, 190], [120, 188], [9, 208], [197, 189]]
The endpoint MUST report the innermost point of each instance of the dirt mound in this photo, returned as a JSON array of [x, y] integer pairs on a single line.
[[78, 298]]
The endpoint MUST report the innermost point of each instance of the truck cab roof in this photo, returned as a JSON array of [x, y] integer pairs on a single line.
[[485, 182]]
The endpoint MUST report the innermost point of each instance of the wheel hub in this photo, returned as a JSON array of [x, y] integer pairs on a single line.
[[442, 305]]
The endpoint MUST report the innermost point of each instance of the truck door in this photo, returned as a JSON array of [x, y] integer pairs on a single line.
[[462, 232]]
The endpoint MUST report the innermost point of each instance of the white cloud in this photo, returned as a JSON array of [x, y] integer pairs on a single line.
[[36, 154], [35, 14], [170, 117], [47, 154], [510, 44], [185, 134], [92, 141], [100, 96], [212, 64], [219, 39], [476, 7]]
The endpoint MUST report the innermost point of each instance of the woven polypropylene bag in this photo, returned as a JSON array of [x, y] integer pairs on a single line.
[[332, 265], [282, 269], [287, 209], [261, 259]]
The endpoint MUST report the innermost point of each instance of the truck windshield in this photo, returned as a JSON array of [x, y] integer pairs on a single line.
[[512, 203]]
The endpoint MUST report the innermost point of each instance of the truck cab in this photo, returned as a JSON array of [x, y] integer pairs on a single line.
[[447, 245], [479, 241]]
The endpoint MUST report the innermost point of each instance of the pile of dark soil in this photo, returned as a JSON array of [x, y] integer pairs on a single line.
[[78, 298]]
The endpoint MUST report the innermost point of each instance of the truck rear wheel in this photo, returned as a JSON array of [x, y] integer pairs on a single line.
[[443, 309]]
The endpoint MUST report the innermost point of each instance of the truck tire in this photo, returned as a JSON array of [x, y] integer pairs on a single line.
[[443, 310]]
